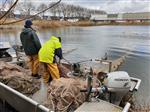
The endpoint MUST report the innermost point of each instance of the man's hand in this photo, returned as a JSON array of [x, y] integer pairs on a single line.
[[59, 62]]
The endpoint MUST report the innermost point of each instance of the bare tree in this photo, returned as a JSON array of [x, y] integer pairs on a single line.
[[30, 7], [73, 11], [5, 14], [53, 10], [3, 5], [25, 8], [69, 11], [79, 11], [59, 10], [64, 10], [16, 21], [42, 7], [56, 9]]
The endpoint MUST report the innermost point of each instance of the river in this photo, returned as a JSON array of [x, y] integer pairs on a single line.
[[94, 41]]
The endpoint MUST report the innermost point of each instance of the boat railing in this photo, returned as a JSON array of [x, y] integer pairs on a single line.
[[19, 101]]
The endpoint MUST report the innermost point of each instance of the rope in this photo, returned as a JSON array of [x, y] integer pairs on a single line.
[[18, 79], [65, 96]]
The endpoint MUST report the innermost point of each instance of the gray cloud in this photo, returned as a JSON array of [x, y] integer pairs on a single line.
[[110, 6], [114, 6]]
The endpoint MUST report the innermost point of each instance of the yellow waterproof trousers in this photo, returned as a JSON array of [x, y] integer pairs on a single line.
[[34, 64], [50, 71]]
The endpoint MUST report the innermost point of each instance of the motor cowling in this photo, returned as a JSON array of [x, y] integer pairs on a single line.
[[118, 84], [118, 80]]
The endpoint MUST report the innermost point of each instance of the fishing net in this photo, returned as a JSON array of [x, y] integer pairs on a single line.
[[64, 94], [18, 78]]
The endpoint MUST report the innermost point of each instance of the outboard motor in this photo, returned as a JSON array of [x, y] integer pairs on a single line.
[[118, 84]]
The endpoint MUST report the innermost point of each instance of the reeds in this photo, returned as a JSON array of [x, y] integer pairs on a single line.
[[57, 23], [51, 24]]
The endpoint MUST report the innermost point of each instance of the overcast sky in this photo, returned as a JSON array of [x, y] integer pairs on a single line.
[[110, 6], [114, 6]]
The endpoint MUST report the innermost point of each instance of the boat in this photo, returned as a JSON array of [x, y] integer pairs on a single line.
[[4, 55], [113, 87], [111, 94]]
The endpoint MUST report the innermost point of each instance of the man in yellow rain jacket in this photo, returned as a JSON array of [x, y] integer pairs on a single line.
[[47, 56]]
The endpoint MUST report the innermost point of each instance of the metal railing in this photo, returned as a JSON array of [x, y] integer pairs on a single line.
[[19, 101]]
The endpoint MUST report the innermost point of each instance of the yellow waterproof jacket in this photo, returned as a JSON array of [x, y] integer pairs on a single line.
[[47, 52]]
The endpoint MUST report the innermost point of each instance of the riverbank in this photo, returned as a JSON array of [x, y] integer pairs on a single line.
[[56, 24]]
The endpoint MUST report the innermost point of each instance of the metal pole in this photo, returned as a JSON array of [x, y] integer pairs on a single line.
[[126, 108], [89, 85], [67, 61], [84, 61], [110, 65]]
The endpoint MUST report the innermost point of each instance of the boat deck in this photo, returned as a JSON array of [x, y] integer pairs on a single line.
[[41, 95], [102, 106]]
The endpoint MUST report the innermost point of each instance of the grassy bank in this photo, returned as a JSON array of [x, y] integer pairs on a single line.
[[55, 24], [50, 24]]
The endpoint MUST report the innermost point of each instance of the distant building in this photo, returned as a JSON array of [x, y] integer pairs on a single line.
[[99, 17], [123, 17], [112, 16], [143, 16], [21, 16], [120, 16]]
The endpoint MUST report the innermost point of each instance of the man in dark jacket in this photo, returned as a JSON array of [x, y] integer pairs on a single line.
[[31, 45]]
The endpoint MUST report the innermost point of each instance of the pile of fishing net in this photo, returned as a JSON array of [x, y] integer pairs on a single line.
[[64, 94], [18, 78]]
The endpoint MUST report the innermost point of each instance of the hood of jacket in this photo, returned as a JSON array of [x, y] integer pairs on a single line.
[[26, 30]]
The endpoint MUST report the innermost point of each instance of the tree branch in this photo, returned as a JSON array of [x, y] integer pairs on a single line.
[[9, 10], [33, 15], [3, 5]]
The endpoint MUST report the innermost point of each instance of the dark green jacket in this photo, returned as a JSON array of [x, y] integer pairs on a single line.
[[30, 41]]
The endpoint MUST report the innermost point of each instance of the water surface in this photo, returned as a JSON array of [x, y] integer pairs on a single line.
[[93, 42]]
